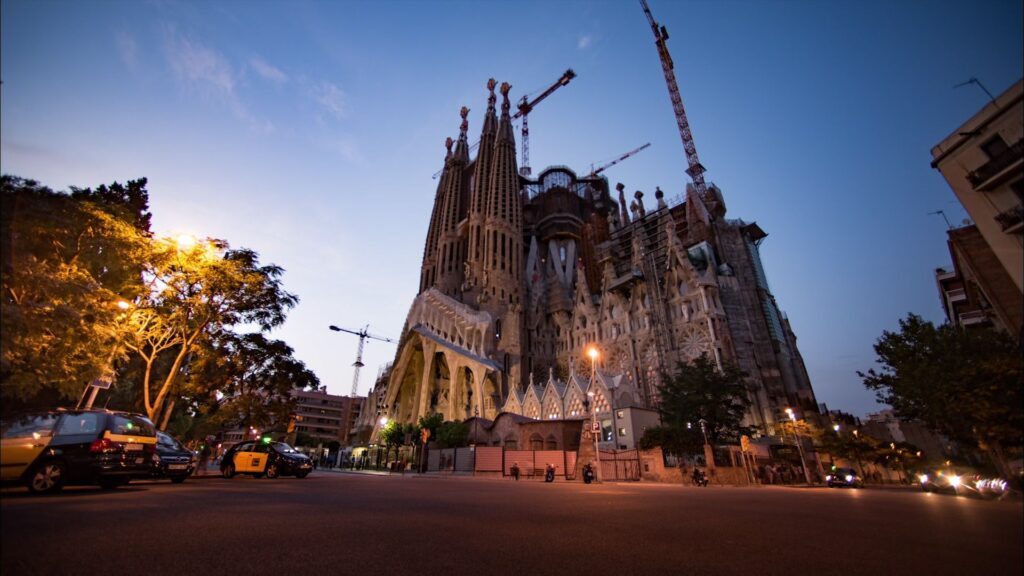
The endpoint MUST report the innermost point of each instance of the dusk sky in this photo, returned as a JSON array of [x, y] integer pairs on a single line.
[[309, 132]]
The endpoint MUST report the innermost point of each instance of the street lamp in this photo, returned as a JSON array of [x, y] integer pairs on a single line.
[[799, 445], [591, 405], [106, 379]]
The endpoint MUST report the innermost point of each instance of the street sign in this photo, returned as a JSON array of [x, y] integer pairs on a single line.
[[595, 426], [103, 382]]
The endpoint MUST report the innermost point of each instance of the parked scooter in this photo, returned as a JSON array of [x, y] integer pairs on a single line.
[[698, 478], [549, 473], [588, 473]]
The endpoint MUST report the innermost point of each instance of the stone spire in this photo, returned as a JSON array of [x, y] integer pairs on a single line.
[[478, 192], [427, 269], [503, 225], [623, 209], [449, 257]]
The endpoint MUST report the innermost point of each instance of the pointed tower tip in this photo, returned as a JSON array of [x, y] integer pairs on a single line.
[[505, 105], [448, 146]]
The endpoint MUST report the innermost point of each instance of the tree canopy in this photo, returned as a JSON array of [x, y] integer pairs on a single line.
[[699, 391], [965, 384]]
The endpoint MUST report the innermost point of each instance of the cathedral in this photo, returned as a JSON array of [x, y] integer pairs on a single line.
[[559, 290]]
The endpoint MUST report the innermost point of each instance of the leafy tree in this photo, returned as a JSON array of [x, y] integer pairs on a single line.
[[245, 380], [196, 289], [699, 391], [674, 440], [392, 434], [66, 263], [452, 434], [431, 422], [965, 384]]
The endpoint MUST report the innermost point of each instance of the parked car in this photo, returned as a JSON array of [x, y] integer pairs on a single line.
[[265, 458], [847, 477], [48, 450], [172, 460]]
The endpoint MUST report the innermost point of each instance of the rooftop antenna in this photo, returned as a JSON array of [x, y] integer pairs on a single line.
[[973, 80], [943, 214]]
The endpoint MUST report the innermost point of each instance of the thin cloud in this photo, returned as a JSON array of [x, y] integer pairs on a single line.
[[207, 72], [267, 71], [331, 98], [127, 48], [584, 42]]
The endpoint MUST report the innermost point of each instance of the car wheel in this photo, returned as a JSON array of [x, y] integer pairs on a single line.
[[177, 480], [302, 474], [272, 471], [228, 471], [47, 478]]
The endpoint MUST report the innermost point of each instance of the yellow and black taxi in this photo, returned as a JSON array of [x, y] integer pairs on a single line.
[[265, 458], [48, 450]]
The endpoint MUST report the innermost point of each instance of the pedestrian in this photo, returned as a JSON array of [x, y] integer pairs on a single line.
[[515, 471], [204, 459]]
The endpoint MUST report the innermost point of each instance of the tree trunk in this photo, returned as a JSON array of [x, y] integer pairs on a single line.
[[167, 414], [1000, 459]]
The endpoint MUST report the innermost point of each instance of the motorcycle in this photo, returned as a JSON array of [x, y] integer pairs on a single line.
[[549, 473], [699, 479], [588, 473]]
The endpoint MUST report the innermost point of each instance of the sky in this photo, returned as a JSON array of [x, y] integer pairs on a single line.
[[309, 132]]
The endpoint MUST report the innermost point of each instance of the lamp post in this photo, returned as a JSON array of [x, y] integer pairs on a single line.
[[799, 446], [595, 427]]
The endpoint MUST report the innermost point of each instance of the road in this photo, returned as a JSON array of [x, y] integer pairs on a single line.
[[334, 523]]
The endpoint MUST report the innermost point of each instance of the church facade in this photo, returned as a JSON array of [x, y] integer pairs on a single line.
[[522, 277]]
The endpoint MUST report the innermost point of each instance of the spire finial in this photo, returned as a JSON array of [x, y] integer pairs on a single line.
[[464, 127], [448, 145], [491, 99], [505, 87]]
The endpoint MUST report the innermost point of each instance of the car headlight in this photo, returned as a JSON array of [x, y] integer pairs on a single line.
[[828, 478], [849, 478], [954, 481], [923, 478]]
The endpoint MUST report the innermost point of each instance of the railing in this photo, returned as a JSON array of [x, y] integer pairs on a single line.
[[996, 165], [956, 295], [974, 317]]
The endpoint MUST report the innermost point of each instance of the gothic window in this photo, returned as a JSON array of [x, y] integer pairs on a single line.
[[551, 443], [497, 328], [561, 253], [536, 442]]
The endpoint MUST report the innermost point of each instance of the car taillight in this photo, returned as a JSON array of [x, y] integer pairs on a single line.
[[101, 445]]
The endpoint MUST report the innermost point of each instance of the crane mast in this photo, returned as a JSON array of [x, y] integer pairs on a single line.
[[695, 169], [524, 110], [363, 335]]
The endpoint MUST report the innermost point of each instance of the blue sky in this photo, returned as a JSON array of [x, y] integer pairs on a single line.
[[309, 131]]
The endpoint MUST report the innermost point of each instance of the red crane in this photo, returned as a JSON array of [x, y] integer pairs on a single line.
[[595, 172], [363, 335], [695, 170], [525, 107]]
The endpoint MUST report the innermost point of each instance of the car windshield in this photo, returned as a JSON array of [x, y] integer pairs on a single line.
[[284, 448], [167, 441], [132, 424]]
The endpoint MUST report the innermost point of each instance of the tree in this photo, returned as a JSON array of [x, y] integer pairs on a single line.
[[431, 422], [676, 441], [392, 434], [965, 384], [245, 380], [66, 263], [452, 434], [699, 391], [197, 288]]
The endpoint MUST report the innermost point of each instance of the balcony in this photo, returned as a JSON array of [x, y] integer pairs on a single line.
[[975, 317], [1011, 220], [957, 295], [991, 173]]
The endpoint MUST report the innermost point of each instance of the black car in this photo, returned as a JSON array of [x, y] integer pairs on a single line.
[[172, 460], [265, 458], [51, 449], [844, 477]]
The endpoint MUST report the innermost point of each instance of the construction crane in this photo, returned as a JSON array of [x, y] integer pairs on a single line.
[[695, 170], [363, 335], [525, 107], [595, 172]]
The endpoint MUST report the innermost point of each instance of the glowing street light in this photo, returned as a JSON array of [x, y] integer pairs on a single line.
[[799, 445]]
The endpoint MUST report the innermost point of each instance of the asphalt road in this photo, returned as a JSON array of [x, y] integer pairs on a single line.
[[333, 523]]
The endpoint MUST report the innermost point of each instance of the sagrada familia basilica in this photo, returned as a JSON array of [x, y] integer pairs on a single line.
[[522, 277]]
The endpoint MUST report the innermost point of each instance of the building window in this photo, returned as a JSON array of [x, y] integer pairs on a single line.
[[994, 147], [622, 432]]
